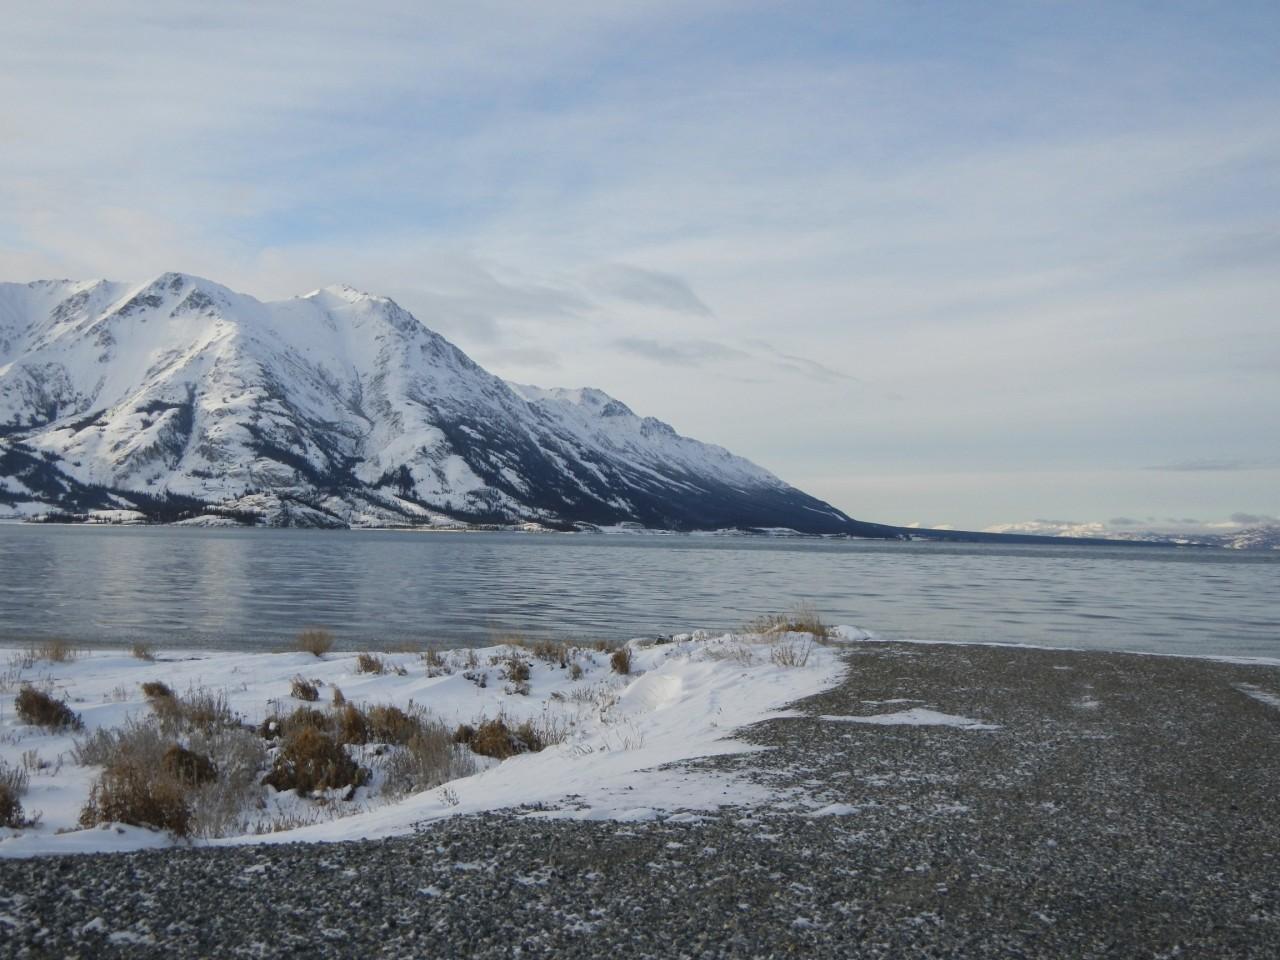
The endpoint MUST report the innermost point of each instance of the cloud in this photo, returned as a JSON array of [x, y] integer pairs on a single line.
[[1217, 465], [684, 353], [798, 364], [1253, 519], [813, 368], [646, 287]]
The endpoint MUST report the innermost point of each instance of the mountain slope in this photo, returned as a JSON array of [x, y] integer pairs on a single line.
[[179, 396]]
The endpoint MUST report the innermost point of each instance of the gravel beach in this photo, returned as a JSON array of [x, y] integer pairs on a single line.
[[1122, 806]]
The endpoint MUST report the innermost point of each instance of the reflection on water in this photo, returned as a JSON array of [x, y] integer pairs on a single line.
[[256, 588]]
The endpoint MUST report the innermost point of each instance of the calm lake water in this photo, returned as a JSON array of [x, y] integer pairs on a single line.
[[254, 589]]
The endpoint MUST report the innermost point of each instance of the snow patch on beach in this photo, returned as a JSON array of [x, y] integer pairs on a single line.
[[1257, 693], [916, 717], [683, 699]]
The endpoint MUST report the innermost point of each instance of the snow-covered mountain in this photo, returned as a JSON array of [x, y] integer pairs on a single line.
[[179, 397]]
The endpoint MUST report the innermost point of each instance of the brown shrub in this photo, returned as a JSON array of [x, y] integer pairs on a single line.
[[437, 665], [197, 710], [304, 689], [311, 760], [188, 767], [353, 726], [13, 784], [131, 793], [785, 653], [55, 651], [301, 719], [801, 619], [39, 709], [390, 724], [368, 663], [620, 660], [156, 688], [314, 641], [516, 669], [427, 760], [494, 738], [551, 652]]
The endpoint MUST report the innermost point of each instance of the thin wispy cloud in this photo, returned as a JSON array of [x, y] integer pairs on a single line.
[[646, 287], [1214, 466], [687, 353]]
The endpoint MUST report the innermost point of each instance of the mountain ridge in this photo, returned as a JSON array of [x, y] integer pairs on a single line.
[[337, 408]]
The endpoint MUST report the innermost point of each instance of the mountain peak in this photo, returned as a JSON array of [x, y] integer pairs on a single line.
[[180, 395]]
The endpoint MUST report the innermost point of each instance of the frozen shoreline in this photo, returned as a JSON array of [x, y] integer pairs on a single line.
[[683, 699]]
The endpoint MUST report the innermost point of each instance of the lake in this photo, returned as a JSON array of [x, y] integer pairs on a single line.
[[254, 589]]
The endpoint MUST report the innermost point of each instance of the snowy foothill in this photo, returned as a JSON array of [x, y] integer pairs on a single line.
[[606, 737]]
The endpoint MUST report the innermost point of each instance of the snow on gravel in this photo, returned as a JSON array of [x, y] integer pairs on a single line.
[[683, 699], [917, 717]]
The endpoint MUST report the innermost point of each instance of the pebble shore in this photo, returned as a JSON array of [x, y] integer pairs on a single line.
[[1125, 806]]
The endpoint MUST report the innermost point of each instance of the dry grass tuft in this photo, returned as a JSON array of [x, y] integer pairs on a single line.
[[302, 718], [801, 619], [39, 709], [339, 699], [143, 651], [494, 738], [130, 792], [352, 725], [428, 759], [303, 689], [198, 710], [314, 641], [368, 663], [437, 664], [13, 784], [390, 724], [794, 653], [187, 766], [620, 660], [153, 689], [311, 760], [214, 780], [55, 651]]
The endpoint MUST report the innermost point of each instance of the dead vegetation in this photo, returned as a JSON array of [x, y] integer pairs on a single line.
[[311, 760], [314, 641], [437, 664], [495, 738], [204, 788], [142, 650], [152, 689], [42, 710], [620, 661], [368, 663], [197, 710], [13, 784], [300, 688], [802, 618], [791, 653], [54, 651], [130, 792]]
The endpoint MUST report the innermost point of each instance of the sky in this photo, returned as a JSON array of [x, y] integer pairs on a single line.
[[946, 263]]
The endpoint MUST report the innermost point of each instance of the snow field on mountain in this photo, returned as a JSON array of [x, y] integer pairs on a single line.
[[608, 733], [336, 408]]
